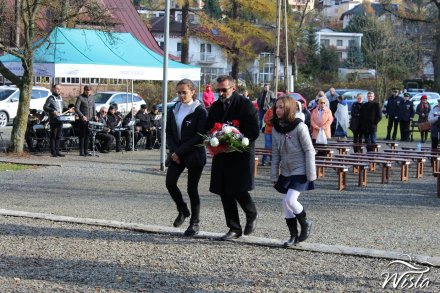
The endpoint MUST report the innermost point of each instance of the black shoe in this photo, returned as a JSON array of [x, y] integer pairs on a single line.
[[184, 213], [60, 155], [118, 150], [104, 151], [250, 226], [230, 235], [54, 155], [192, 230]]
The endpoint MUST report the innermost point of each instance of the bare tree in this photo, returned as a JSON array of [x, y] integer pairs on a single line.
[[37, 18]]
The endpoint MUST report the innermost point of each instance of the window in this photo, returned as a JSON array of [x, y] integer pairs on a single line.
[[209, 74], [351, 43], [161, 45], [340, 55], [266, 68], [339, 43], [38, 94], [179, 47], [325, 42]]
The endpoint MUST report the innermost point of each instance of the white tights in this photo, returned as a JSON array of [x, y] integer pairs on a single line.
[[291, 205]]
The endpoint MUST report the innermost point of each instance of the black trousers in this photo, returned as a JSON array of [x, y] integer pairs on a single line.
[[173, 173], [392, 122], [404, 130], [357, 138], [230, 209], [55, 135], [83, 135], [105, 139]]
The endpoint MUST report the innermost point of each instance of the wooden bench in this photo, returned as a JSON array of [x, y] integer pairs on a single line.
[[372, 161], [437, 175], [340, 169], [325, 162], [433, 155], [402, 158]]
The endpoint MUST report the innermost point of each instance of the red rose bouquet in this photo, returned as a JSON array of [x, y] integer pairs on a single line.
[[226, 138]]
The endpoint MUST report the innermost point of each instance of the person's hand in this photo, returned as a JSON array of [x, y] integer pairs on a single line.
[[274, 182], [175, 158], [84, 118]]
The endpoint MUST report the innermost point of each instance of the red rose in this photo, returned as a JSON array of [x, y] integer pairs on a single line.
[[236, 123], [217, 126]]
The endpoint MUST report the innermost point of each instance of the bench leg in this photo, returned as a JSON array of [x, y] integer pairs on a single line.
[[320, 171], [255, 166], [342, 179], [385, 174], [404, 172], [362, 177], [434, 163], [420, 169], [438, 186]]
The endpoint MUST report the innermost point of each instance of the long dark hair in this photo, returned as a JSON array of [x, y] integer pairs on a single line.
[[190, 85]]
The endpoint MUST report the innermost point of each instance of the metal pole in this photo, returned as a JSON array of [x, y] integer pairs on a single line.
[[286, 59], [132, 105], [277, 46], [165, 85]]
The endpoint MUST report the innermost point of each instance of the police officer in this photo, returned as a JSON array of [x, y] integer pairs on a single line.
[[405, 113]]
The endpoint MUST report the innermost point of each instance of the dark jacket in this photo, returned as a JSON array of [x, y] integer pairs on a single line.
[[423, 110], [189, 147], [391, 108], [113, 120], [51, 106], [262, 97], [85, 107], [307, 118], [334, 106], [234, 172], [370, 116], [144, 120], [405, 110], [355, 121]]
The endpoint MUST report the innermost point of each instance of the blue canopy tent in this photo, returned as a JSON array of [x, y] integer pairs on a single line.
[[93, 53]]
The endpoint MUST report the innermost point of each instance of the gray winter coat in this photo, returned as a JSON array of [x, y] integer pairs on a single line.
[[293, 153], [85, 107]]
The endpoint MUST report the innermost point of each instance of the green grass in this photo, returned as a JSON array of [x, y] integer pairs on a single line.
[[13, 167], [382, 131]]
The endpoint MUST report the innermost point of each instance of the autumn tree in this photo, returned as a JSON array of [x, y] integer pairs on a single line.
[[35, 20], [424, 17], [246, 28]]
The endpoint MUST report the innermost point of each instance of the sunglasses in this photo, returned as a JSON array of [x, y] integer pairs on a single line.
[[224, 90]]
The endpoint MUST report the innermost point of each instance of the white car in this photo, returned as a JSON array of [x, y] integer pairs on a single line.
[[122, 99], [9, 96], [432, 98]]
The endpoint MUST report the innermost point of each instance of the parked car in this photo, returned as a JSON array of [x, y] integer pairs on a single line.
[[124, 100], [350, 97], [174, 100], [432, 98], [9, 96]]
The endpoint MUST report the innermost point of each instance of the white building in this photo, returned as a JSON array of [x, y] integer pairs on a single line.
[[340, 41]]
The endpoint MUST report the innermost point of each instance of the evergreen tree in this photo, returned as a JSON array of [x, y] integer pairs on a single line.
[[311, 53], [212, 9], [355, 58], [329, 59]]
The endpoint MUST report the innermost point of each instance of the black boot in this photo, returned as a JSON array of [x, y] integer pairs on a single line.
[[306, 226], [57, 148], [183, 213], [53, 150], [193, 228], [293, 229]]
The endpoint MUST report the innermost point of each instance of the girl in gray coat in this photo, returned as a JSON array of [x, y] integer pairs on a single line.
[[293, 165]]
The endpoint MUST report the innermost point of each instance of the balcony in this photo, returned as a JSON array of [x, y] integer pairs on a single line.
[[207, 58]]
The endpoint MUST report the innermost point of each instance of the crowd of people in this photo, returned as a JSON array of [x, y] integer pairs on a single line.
[[290, 131], [108, 126]]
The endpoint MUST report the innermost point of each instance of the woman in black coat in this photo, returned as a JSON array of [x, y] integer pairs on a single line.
[[355, 122], [186, 120]]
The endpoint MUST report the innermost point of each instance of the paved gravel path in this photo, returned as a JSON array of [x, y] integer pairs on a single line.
[[129, 187]]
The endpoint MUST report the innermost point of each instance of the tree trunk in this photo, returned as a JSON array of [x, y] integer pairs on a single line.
[[20, 121], [184, 57], [436, 62]]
